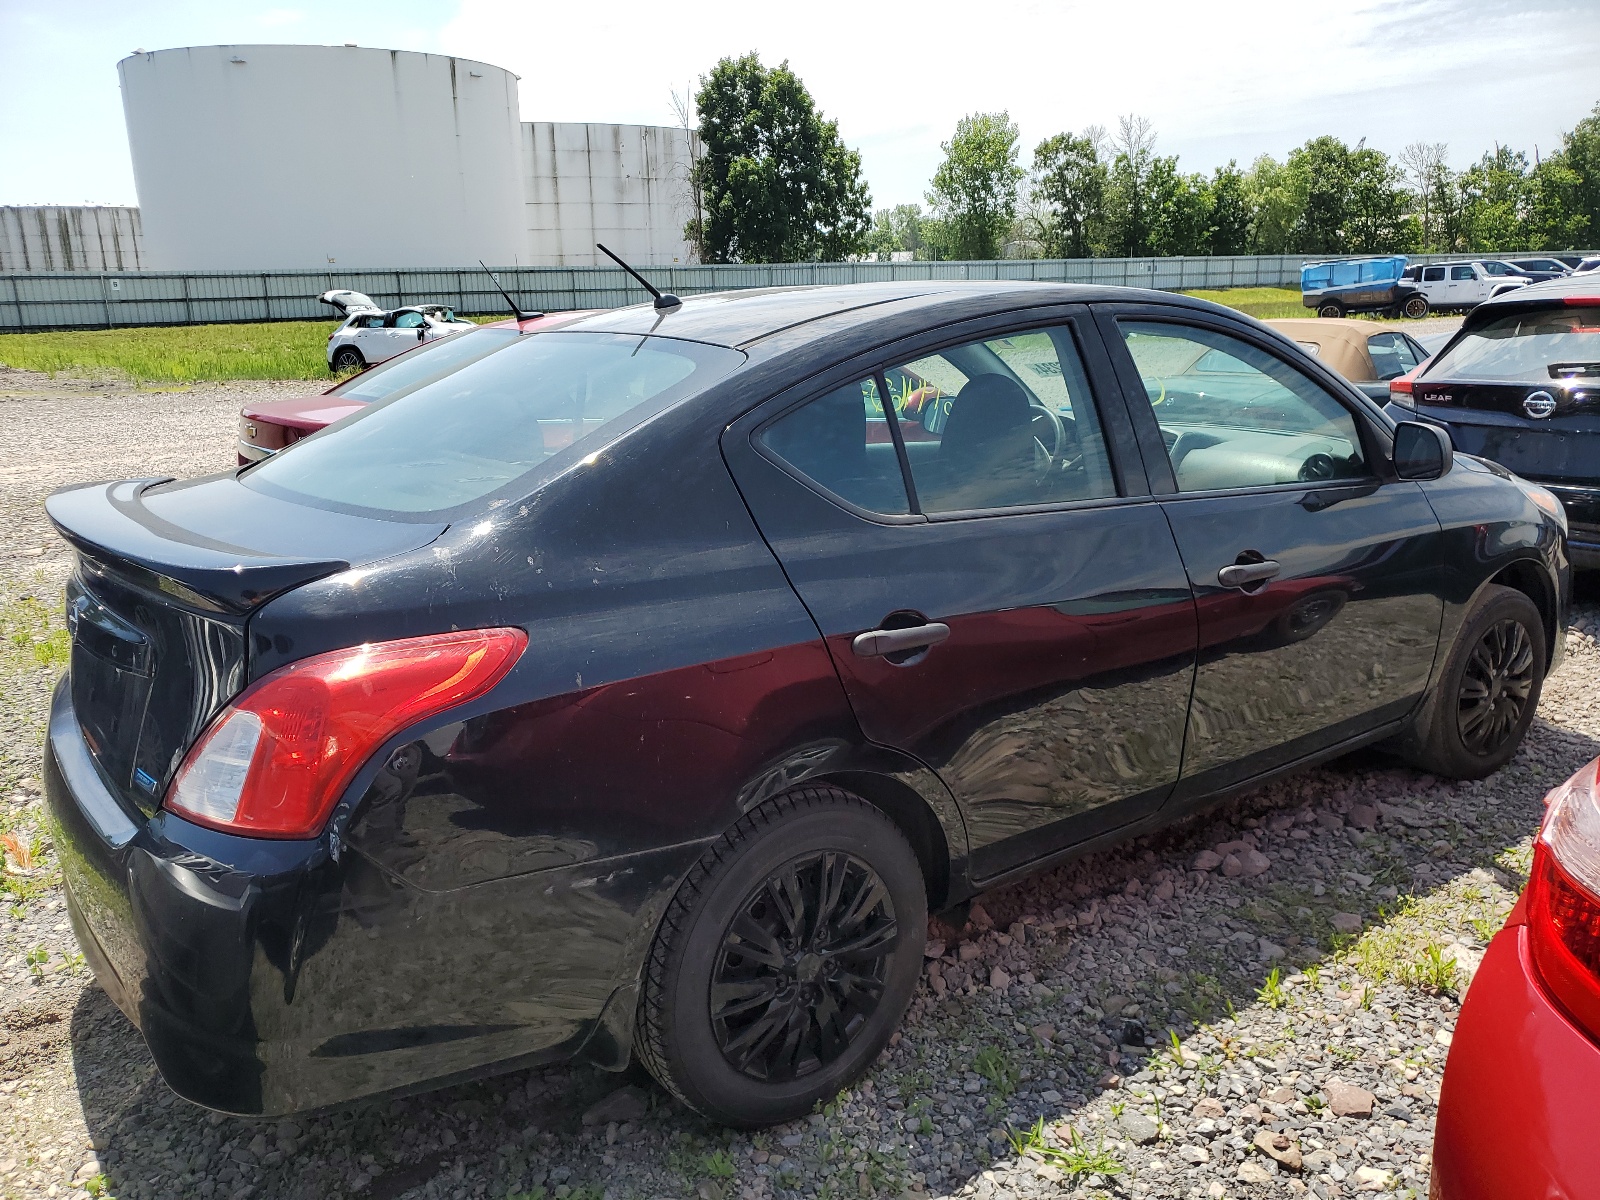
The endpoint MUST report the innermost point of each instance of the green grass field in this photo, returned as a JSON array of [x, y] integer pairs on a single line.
[[1263, 303], [297, 349]]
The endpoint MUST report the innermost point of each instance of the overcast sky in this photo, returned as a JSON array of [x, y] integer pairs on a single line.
[[1220, 80]]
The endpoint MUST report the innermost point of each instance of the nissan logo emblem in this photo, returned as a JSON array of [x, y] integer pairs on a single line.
[[1539, 405]]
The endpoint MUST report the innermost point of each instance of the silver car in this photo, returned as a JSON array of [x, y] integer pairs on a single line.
[[370, 334]]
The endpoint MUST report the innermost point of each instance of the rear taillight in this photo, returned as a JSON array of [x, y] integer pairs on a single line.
[[1564, 898], [276, 761]]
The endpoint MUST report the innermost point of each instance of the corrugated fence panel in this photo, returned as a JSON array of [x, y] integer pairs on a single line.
[[81, 300]]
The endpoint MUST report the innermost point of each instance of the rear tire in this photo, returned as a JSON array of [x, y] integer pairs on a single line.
[[1489, 688], [1330, 308], [1415, 307], [785, 961], [347, 358]]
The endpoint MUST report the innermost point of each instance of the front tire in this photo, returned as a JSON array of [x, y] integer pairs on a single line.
[[1330, 308], [1489, 688], [785, 961]]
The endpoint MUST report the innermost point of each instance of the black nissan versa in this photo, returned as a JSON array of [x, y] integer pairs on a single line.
[[638, 688], [1520, 384]]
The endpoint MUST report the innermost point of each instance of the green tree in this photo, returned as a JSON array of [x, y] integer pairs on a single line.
[[778, 183], [1277, 198], [1070, 186], [1580, 154], [1231, 214], [897, 229], [1130, 223], [974, 192]]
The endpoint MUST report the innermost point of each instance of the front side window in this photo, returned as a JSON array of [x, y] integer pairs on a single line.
[[507, 421], [409, 320], [1004, 422], [1462, 273], [1526, 347], [1234, 416]]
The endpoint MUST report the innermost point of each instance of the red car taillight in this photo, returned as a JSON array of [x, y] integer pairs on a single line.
[[277, 759], [1564, 898]]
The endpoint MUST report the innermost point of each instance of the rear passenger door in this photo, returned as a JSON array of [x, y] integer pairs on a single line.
[[1315, 572], [966, 518]]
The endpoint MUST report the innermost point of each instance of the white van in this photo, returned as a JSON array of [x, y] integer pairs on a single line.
[[1460, 284]]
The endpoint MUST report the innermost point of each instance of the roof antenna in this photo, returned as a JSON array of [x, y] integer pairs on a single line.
[[521, 316], [664, 300]]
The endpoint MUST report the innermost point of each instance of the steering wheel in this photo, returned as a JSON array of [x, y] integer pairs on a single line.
[[1044, 457]]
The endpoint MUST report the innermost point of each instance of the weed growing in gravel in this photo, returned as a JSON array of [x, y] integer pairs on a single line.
[[1272, 993], [992, 1063], [717, 1165]]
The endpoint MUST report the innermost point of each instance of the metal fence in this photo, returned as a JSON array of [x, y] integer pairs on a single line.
[[78, 300]]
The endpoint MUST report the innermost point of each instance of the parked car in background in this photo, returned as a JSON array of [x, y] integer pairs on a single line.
[[1542, 268], [1363, 351], [267, 427], [1515, 1121], [1587, 265], [1460, 284], [1520, 384], [638, 688], [1361, 285], [367, 338]]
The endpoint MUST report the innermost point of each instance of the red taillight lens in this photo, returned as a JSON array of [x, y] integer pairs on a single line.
[[277, 759], [1564, 898]]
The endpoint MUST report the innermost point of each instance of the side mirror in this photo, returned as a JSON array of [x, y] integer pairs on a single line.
[[1422, 451], [422, 332]]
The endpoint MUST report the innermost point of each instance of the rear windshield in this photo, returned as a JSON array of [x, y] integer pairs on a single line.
[[1551, 343], [429, 361], [507, 421]]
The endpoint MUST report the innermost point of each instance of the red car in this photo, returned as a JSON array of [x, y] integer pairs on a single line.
[[1517, 1113], [265, 429]]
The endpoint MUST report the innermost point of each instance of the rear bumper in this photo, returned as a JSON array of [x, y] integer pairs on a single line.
[[1516, 1116], [271, 977]]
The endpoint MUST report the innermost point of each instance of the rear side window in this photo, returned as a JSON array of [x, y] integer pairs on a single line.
[[1527, 347], [1392, 355], [505, 422], [842, 442], [1432, 274]]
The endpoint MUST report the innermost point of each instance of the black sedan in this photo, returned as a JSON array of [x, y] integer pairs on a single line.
[[639, 688], [1519, 383]]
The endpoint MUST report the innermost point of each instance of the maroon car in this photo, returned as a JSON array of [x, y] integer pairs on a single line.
[[264, 429]]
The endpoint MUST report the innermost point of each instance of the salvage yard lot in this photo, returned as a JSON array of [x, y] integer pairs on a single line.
[[1255, 1004]]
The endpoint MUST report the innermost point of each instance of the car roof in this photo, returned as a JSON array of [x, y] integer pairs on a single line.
[[740, 319], [1552, 291], [1342, 340]]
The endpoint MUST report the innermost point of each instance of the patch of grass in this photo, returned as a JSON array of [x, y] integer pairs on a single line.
[[992, 1063], [1409, 948], [717, 1165], [178, 354], [1263, 303]]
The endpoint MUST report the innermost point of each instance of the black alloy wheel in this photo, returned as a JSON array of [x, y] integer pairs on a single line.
[[1495, 687], [784, 960], [801, 969], [1487, 693]]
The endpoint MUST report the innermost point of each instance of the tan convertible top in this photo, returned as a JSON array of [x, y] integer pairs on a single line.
[[1341, 342]]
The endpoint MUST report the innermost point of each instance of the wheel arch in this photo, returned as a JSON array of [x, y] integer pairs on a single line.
[[912, 815], [1525, 575]]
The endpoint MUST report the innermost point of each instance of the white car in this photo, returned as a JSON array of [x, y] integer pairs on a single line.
[[370, 334], [1462, 284]]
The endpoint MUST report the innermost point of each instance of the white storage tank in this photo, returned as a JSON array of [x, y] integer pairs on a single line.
[[624, 185], [305, 156]]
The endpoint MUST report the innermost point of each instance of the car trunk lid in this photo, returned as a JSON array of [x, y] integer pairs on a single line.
[[1548, 432], [167, 577]]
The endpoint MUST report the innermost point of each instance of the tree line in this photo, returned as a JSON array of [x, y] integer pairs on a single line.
[[774, 182]]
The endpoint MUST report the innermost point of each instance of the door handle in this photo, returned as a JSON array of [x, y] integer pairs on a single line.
[[877, 642], [1242, 575]]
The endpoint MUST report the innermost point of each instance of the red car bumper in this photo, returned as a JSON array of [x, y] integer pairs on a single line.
[[1519, 1115]]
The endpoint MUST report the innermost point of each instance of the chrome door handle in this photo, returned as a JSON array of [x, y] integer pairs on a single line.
[[1242, 575], [877, 642]]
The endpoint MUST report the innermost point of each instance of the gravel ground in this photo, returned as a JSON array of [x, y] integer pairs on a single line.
[[1257, 1003]]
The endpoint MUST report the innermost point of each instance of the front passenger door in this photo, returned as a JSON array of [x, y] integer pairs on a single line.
[[1315, 577]]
